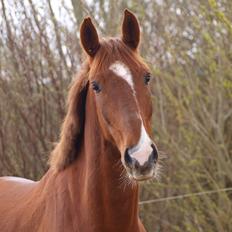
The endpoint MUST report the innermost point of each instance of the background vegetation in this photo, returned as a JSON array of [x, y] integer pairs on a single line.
[[188, 46]]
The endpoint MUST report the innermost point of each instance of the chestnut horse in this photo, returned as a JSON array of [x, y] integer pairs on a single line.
[[105, 147]]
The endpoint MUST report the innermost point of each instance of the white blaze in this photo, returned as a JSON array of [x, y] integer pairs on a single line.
[[143, 149], [121, 70]]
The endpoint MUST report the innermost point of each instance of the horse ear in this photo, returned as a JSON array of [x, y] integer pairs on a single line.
[[89, 37], [130, 30], [72, 129]]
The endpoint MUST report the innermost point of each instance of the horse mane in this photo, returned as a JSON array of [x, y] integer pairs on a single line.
[[111, 50], [67, 148]]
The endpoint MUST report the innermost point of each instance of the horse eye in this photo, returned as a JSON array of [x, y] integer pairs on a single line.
[[147, 78], [96, 87]]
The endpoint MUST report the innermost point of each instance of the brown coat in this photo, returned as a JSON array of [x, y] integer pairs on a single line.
[[87, 188]]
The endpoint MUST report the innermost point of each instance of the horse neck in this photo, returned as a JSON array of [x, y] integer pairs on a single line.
[[103, 192]]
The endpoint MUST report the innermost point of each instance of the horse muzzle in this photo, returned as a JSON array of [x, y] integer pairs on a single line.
[[140, 164]]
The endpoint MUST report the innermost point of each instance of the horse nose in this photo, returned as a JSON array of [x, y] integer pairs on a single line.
[[128, 159], [154, 154], [141, 168]]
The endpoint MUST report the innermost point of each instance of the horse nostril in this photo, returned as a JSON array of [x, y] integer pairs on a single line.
[[137, 165], [128, 158], [154, 155]]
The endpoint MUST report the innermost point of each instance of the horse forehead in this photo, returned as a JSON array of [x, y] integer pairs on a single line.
[[123, 71]]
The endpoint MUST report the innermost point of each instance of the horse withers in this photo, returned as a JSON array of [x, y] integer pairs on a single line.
[[105, 147]]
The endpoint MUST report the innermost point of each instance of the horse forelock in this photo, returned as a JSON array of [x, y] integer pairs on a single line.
[[112, 50]]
